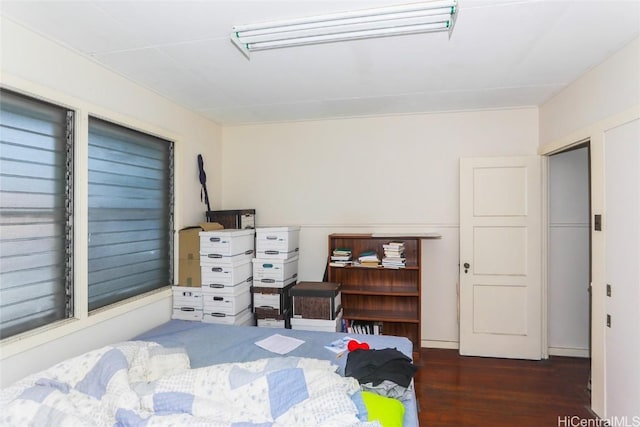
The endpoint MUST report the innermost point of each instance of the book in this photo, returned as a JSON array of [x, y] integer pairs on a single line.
[[368, 256], [393, 255]]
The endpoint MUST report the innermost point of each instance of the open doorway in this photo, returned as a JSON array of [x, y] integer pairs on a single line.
[[569, 262]]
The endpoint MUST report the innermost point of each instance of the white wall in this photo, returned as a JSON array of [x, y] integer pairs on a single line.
[[606, 90], [606, 97], [568, 254], [392, 174], [622, 194], [36, 66]]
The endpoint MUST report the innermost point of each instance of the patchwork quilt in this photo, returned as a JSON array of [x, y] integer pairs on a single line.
[[140, 383]]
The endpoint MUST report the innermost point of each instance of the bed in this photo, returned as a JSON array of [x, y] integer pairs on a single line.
[[209, 352]]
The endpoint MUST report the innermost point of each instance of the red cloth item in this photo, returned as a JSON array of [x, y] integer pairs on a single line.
[[355, 345]]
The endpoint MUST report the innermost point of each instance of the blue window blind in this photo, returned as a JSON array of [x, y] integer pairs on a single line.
[[36, 157], [130, 213]]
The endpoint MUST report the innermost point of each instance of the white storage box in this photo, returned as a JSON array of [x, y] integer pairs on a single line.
[[267, 300], [275, 269], [318, 324], [226, 242], [272, 300], [187, 313], [271, 323], [271, 283], [222, 260], [276, 254], [277, 242], [227, 302], [223, 289], [186, 297], [226, 275], [244, 318], [268, 318]]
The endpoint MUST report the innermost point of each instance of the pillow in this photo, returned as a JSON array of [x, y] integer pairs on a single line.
[[388, 411]]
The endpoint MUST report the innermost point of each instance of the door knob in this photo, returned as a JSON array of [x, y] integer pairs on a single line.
[[466, 267]]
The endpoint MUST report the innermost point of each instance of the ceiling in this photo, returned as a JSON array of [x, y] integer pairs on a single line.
[[501, 54]]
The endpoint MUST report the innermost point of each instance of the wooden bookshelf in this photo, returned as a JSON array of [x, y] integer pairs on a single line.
[[388, 295]]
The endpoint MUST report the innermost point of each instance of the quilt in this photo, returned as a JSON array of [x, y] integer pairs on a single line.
[[140, 383]]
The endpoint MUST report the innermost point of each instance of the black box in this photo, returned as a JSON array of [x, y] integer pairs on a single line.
[[278, 299], [316, 300], [239, 218], [271, 316]]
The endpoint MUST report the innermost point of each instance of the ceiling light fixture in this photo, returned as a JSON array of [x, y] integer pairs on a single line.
[[360, 24]]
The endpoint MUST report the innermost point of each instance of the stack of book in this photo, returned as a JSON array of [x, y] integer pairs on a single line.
[[369, 259], [340, 257], [393, 255], [363, 327]]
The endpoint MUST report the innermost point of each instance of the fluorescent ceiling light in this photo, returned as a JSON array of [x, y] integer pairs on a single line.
[[368, 23]]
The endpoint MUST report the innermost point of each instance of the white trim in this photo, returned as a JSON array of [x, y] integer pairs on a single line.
[[451, 345], [595, 134], [420, 227], [569, 352], [31, 339], [544, 257]]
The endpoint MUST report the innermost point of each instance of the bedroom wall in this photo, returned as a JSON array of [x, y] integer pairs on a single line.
[[36, 66], [606, 97], [387, 174]]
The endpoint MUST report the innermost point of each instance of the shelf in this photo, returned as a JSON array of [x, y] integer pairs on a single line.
[[351, 267], [380, 316], [400, 291], [391, 296]]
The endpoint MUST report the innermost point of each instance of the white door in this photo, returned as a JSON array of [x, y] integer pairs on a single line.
[[500, 257]]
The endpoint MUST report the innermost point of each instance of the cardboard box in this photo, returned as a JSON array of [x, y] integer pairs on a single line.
[[187, 313], [277, 269], [189, 254], [271, 298], [316, 300], [244, 318], [227, 242], [189, 243], [225, 302], [279, 239], [267, 318], [318, 324], [189, 273], [215, 276], [184, 297]]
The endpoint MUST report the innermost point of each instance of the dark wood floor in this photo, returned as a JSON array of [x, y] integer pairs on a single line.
[[473, 391]]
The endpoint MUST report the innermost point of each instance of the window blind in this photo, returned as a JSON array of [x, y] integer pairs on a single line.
[[130, 213], [36, 151]]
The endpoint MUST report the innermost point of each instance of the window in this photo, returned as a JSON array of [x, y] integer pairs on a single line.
[[130, 213], [36, 157]]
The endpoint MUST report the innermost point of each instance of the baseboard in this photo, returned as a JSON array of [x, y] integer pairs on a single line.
[[569, 352], [453, 345]]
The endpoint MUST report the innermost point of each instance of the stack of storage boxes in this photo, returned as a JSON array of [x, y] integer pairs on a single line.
[[187, 296], [317, 306], [275, 271], [226, 269]]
